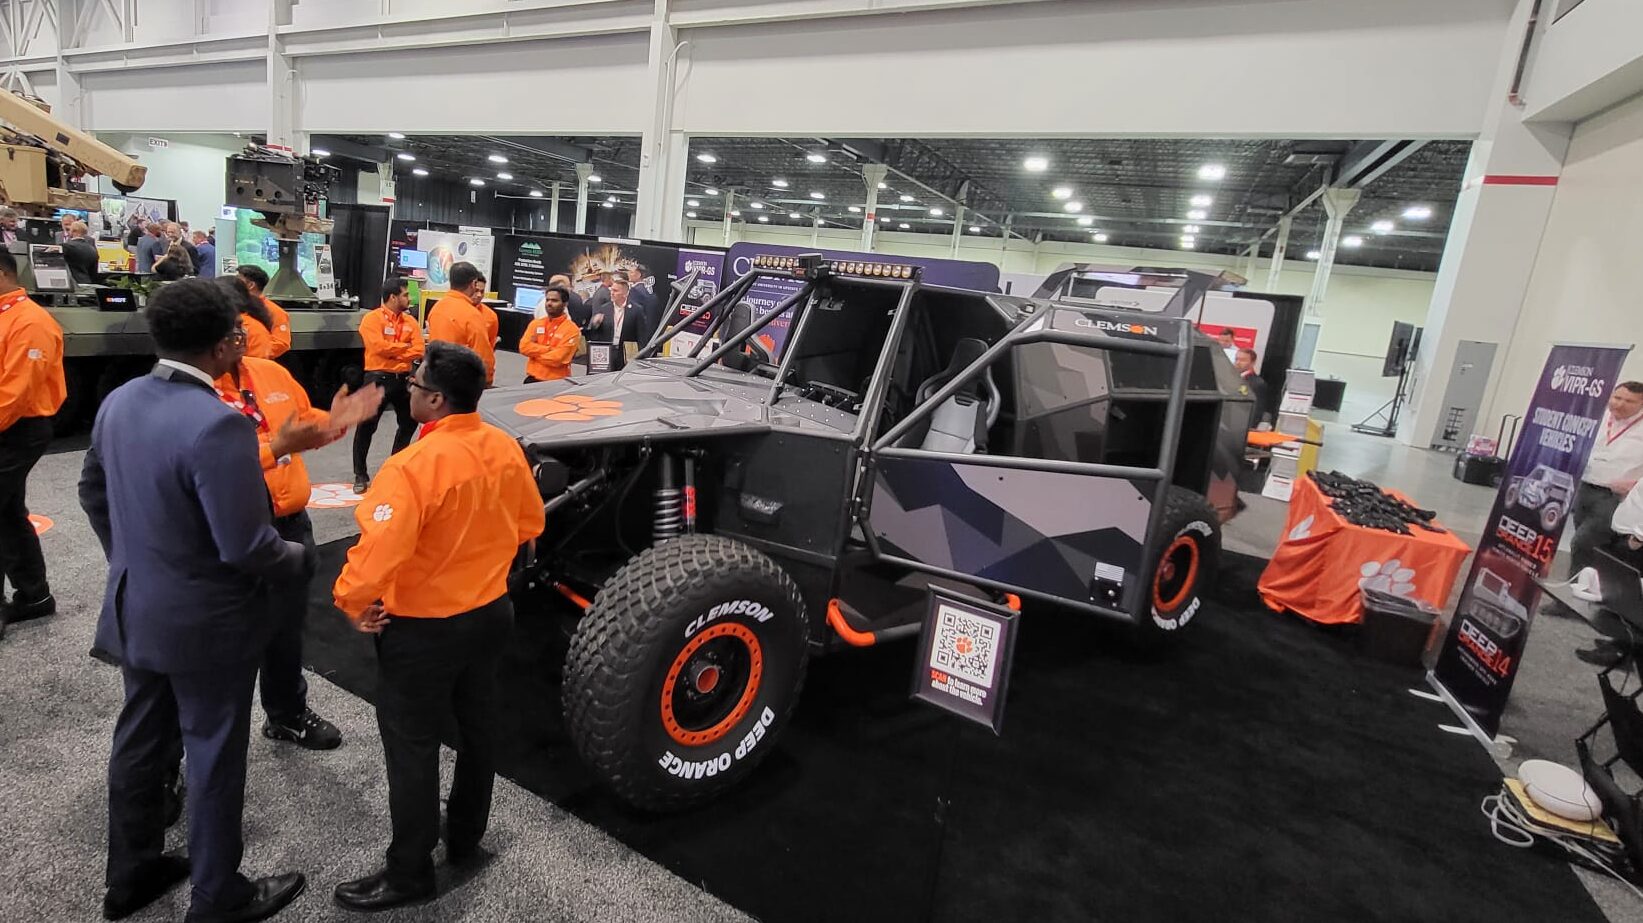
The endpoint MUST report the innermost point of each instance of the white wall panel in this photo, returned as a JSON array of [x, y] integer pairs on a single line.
[[329, 13], [592, 85], [200, 97], [1335, 68], [159, 21], [1587, 61], [191, 169]]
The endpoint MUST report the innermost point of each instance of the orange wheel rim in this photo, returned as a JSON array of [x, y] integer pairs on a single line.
[[755, 673], [1166, 570]]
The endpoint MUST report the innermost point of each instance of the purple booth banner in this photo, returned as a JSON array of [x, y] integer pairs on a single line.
[[1486, 636], [712, 265]]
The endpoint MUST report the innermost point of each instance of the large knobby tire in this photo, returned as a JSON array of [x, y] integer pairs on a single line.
[[685, 670], [1189, 537]]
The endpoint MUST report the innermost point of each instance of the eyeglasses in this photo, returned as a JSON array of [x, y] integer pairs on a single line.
[[238, 335], [416, 366]]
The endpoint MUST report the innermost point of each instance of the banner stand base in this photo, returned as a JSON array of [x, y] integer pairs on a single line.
[[1499, 747]]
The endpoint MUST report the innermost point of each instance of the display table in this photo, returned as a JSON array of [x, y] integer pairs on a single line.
[[1321, 558]]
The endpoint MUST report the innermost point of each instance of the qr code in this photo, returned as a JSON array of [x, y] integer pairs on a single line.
[[964, 646]]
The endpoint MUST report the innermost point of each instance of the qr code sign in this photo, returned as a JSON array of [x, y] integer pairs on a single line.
[[965, 645]]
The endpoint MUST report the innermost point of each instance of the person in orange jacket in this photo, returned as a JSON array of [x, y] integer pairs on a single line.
[[32, 388], [279, 330], [439, 531], [254, 316], [288, 425], [393, 340], [458, 318], [550, 342]]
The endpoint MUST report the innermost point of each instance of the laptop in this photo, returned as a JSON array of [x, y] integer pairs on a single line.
[[1621, 586]]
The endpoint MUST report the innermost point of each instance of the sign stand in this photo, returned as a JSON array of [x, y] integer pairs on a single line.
[[965, 650]]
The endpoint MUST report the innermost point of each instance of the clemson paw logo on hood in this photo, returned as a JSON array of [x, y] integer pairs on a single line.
[[570, 408]]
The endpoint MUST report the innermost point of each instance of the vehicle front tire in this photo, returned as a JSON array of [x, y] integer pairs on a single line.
[[1550, 515], [1185, 570], [685, 670], [1511, 496]]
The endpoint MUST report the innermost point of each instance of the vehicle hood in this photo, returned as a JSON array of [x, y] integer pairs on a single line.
[[650, 400]]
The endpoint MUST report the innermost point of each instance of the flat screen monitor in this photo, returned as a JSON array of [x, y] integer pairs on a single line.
[[413, 259], [528, 299], [1399, 349]]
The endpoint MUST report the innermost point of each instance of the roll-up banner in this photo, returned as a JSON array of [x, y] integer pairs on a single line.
[[1487, 633]]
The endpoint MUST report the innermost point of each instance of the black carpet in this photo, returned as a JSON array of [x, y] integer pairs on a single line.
[[1264, 770]]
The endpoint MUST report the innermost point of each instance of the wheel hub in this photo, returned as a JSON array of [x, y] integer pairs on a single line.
[[704, 677], [711, 684]]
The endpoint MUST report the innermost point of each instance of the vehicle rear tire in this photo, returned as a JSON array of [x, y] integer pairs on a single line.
[[685, 670], [1550, 515], [1511, 496], [1190, 532]]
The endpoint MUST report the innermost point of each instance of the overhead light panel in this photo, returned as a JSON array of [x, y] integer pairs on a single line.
[[1062, 192], [884, 220], [1418, 212], [504, 176], [690, 214], [883, 186], [595, 178], [779, 183], [818, 195], [735, 213], [420, 172], [1352, 240], [1191, 229], [710, 191], [904, 225], [758, 205], [1202, 201], [1212, 172], [1313, 254], [1085, 221], [693, 203], [1189, 245], [476, 181], [1099, 238], [497, 158], [1036, 164], [935, 212], [320, 152], [855, 209], [907, 198], [1188, 239], [707, 158], [607, 205], [610, 200], [794, 215], [402, 155], [975, 229], [1382, 227], [764, 219], [396, 136], [536, 193], [1197, 214], [1073, 207], [816, 157]]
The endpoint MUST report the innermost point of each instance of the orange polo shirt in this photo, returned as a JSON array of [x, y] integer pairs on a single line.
[[393, 340], [549, 344], [455, 319], [280, 335], [441, 524], [259, 343], [31, 360], [278, 399]]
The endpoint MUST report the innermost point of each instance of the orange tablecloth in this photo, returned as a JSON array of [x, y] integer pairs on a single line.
[[1318, 564], [1266, 440]]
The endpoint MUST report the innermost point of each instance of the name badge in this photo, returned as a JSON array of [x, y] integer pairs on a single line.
[[390, 331]]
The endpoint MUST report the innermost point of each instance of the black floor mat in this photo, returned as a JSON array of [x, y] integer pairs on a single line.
[[1264, 770]]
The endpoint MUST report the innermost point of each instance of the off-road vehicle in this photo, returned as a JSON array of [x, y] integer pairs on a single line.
[[1544, 491], [731, 513]]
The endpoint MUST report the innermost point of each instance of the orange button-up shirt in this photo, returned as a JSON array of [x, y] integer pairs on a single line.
[[280, 335], [455, 319], [393, 340], [259, 343], [549, 344], [278, 398], [441, 524], [31, 360]]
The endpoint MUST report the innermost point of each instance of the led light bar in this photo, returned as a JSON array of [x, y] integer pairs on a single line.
[[800, 266]]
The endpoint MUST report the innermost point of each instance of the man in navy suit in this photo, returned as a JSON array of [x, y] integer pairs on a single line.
[[174, 490]]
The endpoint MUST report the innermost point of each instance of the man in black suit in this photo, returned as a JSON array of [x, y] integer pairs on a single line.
[[80, 254], [173, 487], [644, 297], [622, 322]]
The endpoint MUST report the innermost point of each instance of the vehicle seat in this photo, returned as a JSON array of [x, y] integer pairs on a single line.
[[959, 425]]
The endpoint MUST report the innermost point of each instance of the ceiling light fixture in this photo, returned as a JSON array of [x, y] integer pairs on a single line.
[[693, 203], [707, 158], [883, 186], [420, 172], [975, 229], [1352, 240], [1099, 238], [1191, 229], [1062, 192], [1073, 207], [794, 215], [1382, 227], [595, 178], [611, 199], [1212, 172], [1036, 164], [405, 157], [818, 195], [690, 214], [606, 205], [904, 225], [1197, 214], [855, 209], [396, 136], [816, 157], [710, 191], [935, 212], [476, 181], [735, 213], [1202, 201], [758, 205], [1418, 212], [504, 176], [779, 183], [320, 152], [1085, 221], [1313, 254], [497, 158], [536, 193], [907, 198], [1188, 239]]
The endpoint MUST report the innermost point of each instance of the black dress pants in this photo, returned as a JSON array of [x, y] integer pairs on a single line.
[[428, 669], [396, 394], [21, 562], [284, 688], [1594, 524]]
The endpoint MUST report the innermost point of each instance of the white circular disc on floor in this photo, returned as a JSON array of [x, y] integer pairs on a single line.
[[1560, 790]]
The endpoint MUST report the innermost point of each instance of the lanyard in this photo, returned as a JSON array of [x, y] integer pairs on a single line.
[[398, 320], [1623, 430], [246, 401], [8, 302]]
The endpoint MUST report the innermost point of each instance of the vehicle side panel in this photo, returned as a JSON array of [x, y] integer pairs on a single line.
[[782, 491]]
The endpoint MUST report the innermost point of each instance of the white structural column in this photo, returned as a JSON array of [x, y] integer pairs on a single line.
[[1278, 252], [663, 152], [1500, 216], [1253, 258], [872, 174], [553, 208], [958, 228], [730, 220], [583, 171], [70, 95], [284, 99], [815, 230], [1337, 205]]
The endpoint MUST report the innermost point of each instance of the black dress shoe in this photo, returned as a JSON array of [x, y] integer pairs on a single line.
[[379, 892], [1603, 655], [22, 610], [272, 895], [309, 731], [166, 873]]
